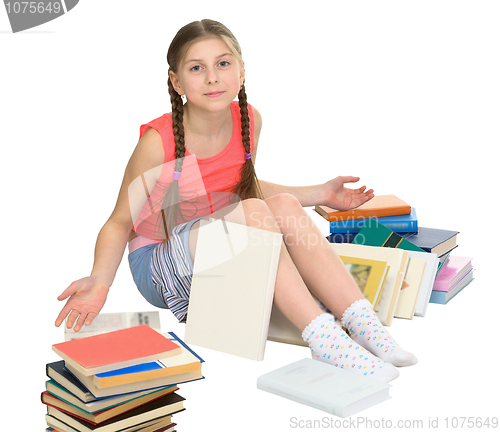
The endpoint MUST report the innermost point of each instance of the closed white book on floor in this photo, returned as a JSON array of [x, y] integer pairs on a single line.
[[233, 288], [325, 387]]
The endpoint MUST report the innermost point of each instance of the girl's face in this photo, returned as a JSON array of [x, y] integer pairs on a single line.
[[209, 75]]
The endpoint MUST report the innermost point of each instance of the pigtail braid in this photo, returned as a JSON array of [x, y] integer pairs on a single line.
[[248, 186], [171, 201]]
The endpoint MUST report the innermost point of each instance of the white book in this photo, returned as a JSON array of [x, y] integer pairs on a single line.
[[325, 387], [232, 290], [427, 281], [408, 296], [108, 322]]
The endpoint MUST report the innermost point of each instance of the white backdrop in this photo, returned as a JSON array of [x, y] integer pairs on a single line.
[[403, 94]]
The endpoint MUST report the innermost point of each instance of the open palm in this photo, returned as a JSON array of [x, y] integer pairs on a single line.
[[86, 299], [341, 198]]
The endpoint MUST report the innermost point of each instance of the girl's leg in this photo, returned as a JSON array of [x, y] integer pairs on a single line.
[[322, 270], [294, 300], [327, 277], [291, 295]]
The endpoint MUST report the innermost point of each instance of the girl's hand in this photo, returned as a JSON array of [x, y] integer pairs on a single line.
[[341, 198], [87, 299]]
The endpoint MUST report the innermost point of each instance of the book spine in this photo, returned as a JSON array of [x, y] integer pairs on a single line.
[[175, 338], [354, 226]]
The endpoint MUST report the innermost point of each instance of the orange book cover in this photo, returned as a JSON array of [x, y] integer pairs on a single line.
[[378, 206], [120, 346]]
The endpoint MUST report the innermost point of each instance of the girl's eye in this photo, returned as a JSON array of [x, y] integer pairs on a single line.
[[224, 63], [196, 68]]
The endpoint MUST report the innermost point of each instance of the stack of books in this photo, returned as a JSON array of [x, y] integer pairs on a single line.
[[423, 271], [121, 380]]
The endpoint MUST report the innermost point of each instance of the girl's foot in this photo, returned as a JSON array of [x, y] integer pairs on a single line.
[[329, 343], [365, 328]]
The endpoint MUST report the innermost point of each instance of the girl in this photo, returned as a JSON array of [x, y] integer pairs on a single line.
[[206, 68]]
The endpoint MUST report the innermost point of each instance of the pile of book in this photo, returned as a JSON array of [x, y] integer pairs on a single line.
[[120, 380], [399, 266]]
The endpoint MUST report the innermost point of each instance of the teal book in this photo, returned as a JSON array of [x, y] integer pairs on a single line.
[[374, 233]]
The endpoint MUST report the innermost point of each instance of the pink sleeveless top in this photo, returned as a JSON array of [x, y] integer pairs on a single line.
[[205, 185]]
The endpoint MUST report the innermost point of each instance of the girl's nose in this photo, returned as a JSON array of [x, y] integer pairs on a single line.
[[212, 77]]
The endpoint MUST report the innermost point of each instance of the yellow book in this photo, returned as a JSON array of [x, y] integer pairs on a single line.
[[369, 275], [397, 260]]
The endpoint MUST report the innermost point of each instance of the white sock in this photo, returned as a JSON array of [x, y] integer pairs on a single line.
[[329, 343], [366, 329]]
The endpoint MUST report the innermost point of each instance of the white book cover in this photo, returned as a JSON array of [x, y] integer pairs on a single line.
[[427, 281], [325, 387], [232, 290], [108, 322], [407, 300]]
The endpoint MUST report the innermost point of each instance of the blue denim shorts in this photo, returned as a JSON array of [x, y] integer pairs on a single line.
[[163, 272]]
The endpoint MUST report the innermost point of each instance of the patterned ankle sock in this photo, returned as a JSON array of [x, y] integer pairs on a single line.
[[365, 328], [329, 343]]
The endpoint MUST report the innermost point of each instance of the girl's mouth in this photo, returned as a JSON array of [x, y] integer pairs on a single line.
[[214, 94]]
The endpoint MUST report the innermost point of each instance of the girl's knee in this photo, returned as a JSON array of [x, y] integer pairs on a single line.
[[283, 203], [255, 205]]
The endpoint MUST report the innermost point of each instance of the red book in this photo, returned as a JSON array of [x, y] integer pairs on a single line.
[[115, 350]]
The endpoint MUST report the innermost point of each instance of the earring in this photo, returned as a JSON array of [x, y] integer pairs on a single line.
[[184, 98]]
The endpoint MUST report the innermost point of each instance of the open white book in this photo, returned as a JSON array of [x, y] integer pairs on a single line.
[[233, 288]]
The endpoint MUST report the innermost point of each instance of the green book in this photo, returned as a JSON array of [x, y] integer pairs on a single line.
[[376, 234]]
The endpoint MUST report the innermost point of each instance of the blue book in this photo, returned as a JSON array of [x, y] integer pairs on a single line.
[[433, 240], [407, 223], [341, 237]]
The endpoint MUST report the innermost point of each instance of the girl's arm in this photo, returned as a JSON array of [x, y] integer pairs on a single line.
[[88, 295], [332, 193]]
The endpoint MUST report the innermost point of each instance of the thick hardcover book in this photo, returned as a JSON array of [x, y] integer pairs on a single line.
[[378, 206], [64, 378], [164, 406], [96, 405], [325, 387], [400, 224], [433, 240], [105, 414], [120, 348], [232, 289]]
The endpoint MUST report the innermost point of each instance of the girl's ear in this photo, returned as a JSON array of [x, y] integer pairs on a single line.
[[175, 82]]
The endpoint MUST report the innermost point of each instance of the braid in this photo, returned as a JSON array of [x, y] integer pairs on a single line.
[[248, 186], [177, 125], [171, 200]]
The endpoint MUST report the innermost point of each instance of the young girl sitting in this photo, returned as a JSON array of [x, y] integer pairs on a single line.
[[221, 137]]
